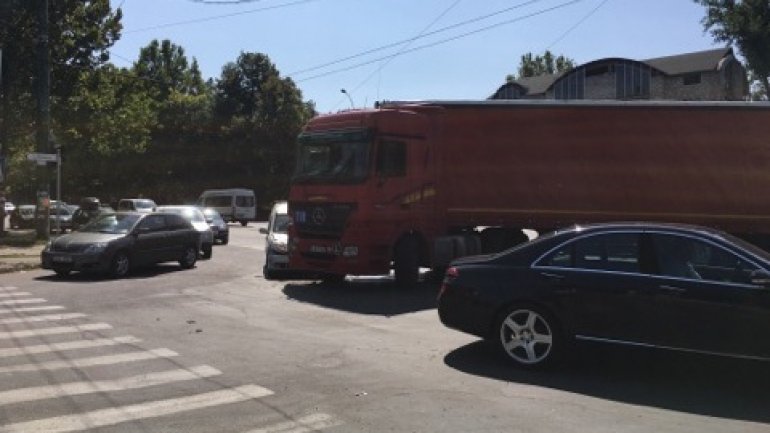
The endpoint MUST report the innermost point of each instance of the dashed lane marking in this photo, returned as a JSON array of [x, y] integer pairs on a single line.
[[41, 318], [90, 362], [153, 409], [23, 301], [53, 331], [69, 345], [14, 294], [36, 393], [31, 309]]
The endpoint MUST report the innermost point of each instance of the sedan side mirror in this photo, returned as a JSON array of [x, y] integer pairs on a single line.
[[761, 277]]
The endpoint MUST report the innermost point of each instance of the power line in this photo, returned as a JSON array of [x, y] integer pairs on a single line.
[[442, 41], [425, 29], [219, 17], [424, 35], [581, 21]]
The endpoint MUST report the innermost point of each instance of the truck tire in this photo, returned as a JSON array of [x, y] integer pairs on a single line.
[[406, 262]]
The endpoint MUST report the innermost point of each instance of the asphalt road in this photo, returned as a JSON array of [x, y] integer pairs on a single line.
[[219, 349]]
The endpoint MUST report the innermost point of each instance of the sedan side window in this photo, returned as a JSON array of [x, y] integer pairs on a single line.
[[153, 223], [684, 257], [617, 252]]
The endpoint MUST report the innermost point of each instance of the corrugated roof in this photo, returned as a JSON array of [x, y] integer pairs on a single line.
[[539, 84], [690, 62]]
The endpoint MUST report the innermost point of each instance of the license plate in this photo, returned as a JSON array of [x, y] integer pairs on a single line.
[[62, 259]]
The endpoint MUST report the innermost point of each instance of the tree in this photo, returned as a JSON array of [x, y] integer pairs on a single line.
[[746, 24], [166, 69], [547, 64]]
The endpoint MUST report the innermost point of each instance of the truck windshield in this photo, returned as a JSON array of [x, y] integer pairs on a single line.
[[332, 162]]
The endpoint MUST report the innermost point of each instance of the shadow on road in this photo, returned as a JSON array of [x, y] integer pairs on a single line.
[[703, 385], [366, 296], [97, 277]]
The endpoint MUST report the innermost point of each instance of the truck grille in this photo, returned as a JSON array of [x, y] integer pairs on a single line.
[[320, 221]]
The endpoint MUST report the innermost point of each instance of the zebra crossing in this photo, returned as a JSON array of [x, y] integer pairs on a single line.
[[30, 328]]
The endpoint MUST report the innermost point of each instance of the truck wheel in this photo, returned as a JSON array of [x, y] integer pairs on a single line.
[[406, 262]]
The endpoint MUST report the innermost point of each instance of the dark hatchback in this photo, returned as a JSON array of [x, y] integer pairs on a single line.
[[651, 285], [117, 243]]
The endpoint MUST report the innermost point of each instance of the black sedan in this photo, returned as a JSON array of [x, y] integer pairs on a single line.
[[664, 286], [117, 243]]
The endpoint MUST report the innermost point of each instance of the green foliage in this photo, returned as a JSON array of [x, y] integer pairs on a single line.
[[547, 64], [746, 24], [156, 129]]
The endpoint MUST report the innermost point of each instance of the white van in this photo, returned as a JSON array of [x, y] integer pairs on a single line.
[[236, 204]]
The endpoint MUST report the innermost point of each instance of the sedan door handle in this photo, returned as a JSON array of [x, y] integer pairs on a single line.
[[552, 276], [673, 289]]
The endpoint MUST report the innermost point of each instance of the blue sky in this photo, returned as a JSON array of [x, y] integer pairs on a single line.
[[302, 34]]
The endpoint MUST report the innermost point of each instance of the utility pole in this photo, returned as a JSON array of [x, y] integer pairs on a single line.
[[42, 208]]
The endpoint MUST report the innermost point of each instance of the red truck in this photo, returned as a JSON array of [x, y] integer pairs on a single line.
[[416, 184]]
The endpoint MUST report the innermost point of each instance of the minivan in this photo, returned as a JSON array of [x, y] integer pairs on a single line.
[[235, 204]]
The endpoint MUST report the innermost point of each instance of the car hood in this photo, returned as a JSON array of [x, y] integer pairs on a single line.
[[201, 226], [78, 238]]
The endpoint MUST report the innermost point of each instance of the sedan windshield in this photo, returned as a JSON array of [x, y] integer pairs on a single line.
[[332, 162], [116, 223], [189, 213]]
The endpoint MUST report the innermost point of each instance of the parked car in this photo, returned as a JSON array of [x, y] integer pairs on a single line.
[[136, 205], [9, 207], [90, 209], [218, 225], [23, 217], [60, 218], [117, 243], [665, 286], [276, 242], [198, 221]]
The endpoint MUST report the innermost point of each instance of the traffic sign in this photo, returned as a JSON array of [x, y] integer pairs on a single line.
[[42, 158]]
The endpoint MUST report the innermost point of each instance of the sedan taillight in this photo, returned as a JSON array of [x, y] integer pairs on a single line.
[[450, 275]]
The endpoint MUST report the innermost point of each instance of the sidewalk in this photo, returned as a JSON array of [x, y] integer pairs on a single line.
[[19, 251]]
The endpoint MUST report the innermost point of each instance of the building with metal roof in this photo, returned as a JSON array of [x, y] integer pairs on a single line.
[[712, 75]]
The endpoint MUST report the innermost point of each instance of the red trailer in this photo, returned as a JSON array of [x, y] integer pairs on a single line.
[[412, 184]]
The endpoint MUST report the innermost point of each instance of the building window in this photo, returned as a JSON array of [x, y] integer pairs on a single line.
[[691, 79]]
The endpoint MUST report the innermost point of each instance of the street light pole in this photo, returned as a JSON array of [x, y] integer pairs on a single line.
[[349, 98]]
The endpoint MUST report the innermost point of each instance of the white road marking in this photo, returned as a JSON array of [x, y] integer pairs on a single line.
[[41, 318], [53, 331], [30, 309], [14, 294], [69, 345], [306, 424], [91, 362], [23, 301], [79, 388], [8, 288], [154, 409]]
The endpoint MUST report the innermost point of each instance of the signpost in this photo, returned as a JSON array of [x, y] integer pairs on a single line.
[[42, 158]]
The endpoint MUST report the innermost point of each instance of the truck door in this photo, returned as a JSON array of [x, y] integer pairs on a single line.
[[402, 192]]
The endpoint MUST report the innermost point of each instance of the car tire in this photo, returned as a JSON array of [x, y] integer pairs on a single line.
[[267, 273], [120, 265], [406, 262], [244, 223], [62, 272], [208, 251], [225, 239], [529, 336], [189, 257]]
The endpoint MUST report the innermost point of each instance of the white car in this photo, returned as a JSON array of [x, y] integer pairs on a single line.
[[9, 207], [277, 241]]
